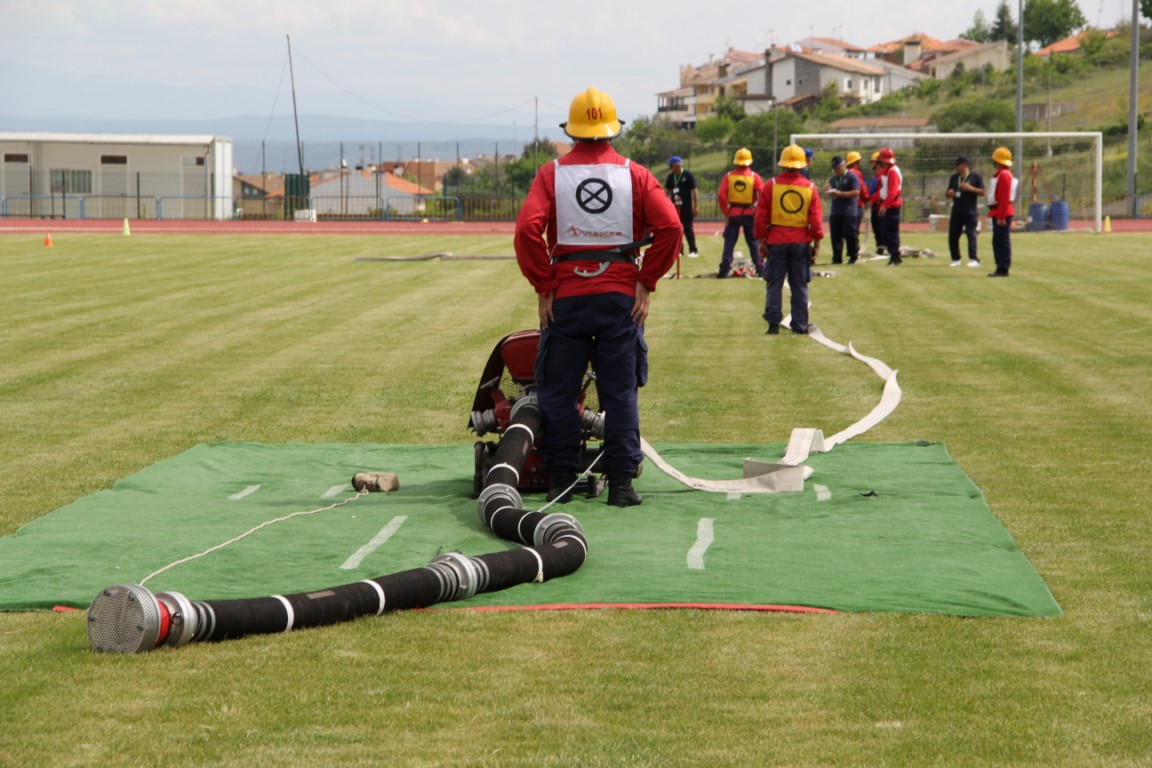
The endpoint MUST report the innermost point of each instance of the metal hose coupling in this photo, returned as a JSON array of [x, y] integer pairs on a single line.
[[593, 422], [552, 526], [497, 492], [484, 422], [460, 576], [527, 401]]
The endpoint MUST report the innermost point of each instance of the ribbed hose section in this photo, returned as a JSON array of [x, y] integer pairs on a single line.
[[515, 443], [417, 588]]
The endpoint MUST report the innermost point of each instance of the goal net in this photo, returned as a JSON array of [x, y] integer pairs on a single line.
[[1060, 174]]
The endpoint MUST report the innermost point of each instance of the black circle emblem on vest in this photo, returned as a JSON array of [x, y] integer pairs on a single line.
[[594, 196], [792, 201], [739, 185]]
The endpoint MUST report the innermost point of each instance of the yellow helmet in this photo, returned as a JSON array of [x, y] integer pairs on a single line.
[[592, 115], [743, 157], [792, 156], [852, 157], [875, 158], [1002, 155]]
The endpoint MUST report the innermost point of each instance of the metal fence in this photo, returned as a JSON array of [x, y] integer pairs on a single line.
[[472, 208]]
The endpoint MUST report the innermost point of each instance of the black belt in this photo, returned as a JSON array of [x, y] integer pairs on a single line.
[[626, 252]]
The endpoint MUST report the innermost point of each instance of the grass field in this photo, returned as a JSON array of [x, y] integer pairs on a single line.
[[118, 352]]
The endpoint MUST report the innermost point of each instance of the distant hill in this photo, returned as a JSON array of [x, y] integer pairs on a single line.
[[269, 144]]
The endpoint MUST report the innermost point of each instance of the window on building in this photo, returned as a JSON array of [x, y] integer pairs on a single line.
[[12, 157], [113, 159], [71, 182], [196, 160]]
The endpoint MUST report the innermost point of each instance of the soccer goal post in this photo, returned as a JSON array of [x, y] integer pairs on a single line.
[[1061, 173]]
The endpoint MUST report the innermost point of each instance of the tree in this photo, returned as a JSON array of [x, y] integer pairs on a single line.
[[1046, 21], [729, 108], [762, 129], [986, 115], [1004, 28], [980, 32], [519, 173], [714, 129], [1146, 8]]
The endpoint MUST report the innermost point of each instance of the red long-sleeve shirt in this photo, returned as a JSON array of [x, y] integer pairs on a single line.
[[536, 240], [763, 229], [1001, 206], [888, 194]]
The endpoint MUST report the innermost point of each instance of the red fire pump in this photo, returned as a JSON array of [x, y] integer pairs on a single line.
[[509, 377]]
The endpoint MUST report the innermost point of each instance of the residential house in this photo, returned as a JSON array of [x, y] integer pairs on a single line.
[[700, 86], [995, 55], [368, 192], [833, 47], [789, 74], [1070, 45], [883, 125]]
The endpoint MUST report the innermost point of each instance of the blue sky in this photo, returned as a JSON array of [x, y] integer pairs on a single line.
[[513, 62]]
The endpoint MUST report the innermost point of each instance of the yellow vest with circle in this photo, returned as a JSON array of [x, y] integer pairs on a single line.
[[790, 204], [741, 189]]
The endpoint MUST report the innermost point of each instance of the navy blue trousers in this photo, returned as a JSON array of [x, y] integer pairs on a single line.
[[596, 329], [787, 261], [889, 233], [732, 229], [1002, 244]]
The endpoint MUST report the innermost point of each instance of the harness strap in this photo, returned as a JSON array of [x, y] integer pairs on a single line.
[[626, 252]]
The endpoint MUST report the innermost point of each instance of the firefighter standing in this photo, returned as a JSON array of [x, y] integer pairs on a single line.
[[873, 210], [737, 194], [578, 239], [789, 226], [1001, 207], [889, 202], [853, 161]]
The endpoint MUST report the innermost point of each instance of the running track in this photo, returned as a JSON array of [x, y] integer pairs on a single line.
[[438, 228]]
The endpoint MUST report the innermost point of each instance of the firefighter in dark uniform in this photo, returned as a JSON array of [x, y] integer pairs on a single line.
[[578, 241]]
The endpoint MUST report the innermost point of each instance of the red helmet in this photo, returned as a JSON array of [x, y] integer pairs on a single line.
[[887, 155]]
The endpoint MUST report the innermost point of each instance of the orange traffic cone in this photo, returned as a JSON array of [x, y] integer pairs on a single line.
[[48, 239]]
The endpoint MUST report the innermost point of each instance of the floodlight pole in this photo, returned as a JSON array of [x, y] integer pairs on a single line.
[[295, 114], [1020, 80], [1133, 98]]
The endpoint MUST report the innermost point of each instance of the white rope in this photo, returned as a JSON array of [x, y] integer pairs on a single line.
[[582, 476], [264, 524]]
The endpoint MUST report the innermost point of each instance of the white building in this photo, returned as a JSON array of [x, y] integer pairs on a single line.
[[113, 176]]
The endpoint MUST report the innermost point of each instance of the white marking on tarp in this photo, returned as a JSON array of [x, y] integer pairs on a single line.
[[377, 541], [822, 492], [246, 492], [335, 490], [703, 542]]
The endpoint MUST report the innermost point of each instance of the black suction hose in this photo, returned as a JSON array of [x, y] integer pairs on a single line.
[[130, 619]]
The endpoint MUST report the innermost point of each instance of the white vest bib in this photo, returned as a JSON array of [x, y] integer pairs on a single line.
[[1012, 191], [594, 205]]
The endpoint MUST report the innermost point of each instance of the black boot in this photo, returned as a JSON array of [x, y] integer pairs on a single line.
[[621, 493], [561, 487]]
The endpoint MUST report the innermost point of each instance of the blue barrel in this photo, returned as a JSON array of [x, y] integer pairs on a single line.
[[1037, 217], [1058, 216]]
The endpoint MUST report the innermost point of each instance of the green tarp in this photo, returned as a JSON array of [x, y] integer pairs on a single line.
[[878, 527]]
